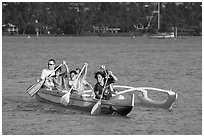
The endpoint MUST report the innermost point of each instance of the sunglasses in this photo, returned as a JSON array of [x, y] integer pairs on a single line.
[[51, 64]]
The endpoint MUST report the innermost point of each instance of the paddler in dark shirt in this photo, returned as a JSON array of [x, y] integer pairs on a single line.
[[101, 77]]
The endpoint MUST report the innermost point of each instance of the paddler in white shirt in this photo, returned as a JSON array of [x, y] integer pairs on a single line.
[[49, 71]]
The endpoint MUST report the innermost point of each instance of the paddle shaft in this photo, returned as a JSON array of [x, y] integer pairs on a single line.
[[107, 75]]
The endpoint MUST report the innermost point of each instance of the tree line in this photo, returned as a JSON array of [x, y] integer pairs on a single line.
[[80, 17]]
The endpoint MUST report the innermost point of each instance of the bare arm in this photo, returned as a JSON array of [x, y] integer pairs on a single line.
[[111, 74], [65, 64]]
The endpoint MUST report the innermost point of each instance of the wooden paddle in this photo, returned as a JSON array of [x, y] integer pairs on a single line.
[[97, 107], [65, 98], [33, 89]]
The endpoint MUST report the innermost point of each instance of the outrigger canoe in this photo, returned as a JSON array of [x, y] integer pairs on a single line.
[[120, 104]]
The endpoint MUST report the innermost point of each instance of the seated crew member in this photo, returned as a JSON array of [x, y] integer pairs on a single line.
[[72, 79], [78, 87], [46, 72], [101, 77], [60, 80]]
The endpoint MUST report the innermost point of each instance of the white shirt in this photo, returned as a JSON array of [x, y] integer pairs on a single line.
[[46, 72]]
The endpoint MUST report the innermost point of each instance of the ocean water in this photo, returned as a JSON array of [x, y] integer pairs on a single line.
[[139, 62]]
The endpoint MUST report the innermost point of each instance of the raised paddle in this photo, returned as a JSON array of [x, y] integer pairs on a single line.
[[97, 107], [65, 98], [33, 89]]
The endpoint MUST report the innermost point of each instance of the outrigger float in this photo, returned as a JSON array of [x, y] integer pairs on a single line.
[[145, 100]]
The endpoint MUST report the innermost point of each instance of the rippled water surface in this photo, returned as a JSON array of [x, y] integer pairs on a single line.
[[160, 63]]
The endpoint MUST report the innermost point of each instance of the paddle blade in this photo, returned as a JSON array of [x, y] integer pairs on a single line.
[[65, 99], [97, 108], [33, 89]]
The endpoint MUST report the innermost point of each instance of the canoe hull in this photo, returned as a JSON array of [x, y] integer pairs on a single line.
[[118, 104]]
